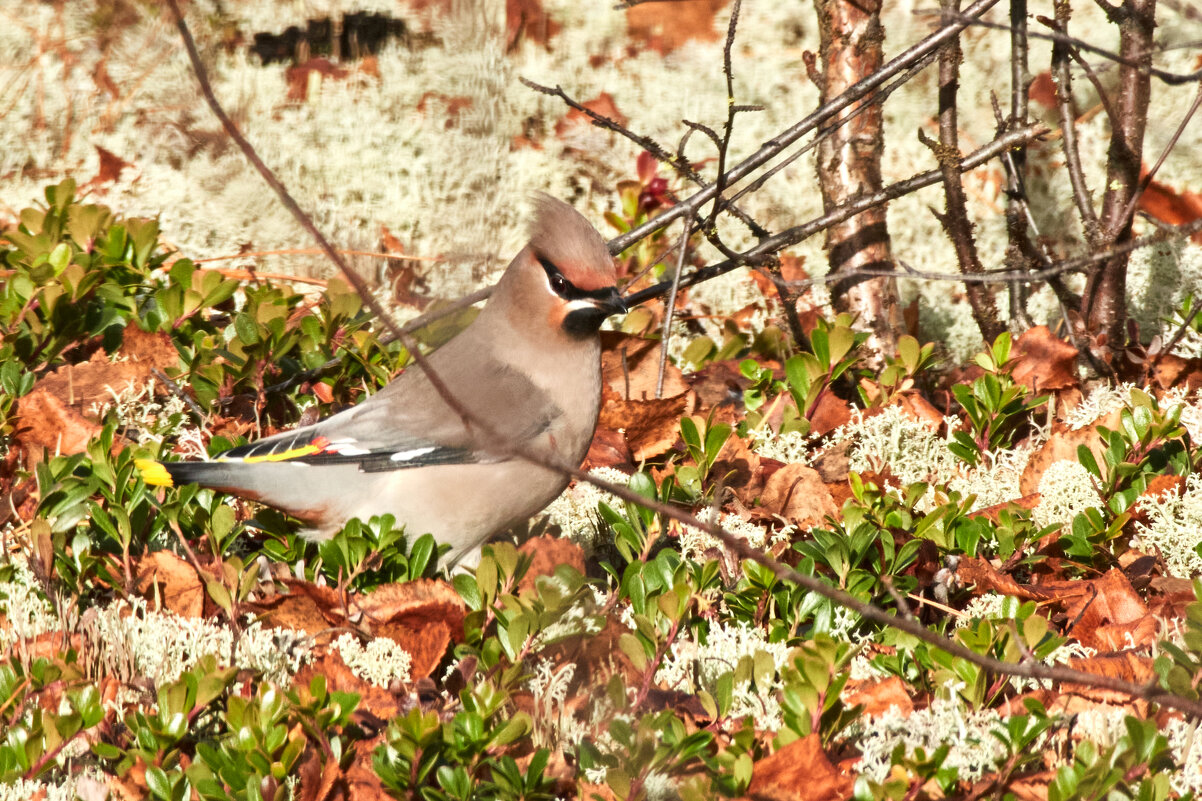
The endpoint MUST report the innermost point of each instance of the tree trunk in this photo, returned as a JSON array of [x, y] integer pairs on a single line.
[[849, 165], [1105, 300]]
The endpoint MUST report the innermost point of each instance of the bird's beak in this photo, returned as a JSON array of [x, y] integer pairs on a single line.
[[613, 303], [588, 313]]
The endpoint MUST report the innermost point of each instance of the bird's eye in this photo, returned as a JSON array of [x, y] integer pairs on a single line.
[[559, 284]]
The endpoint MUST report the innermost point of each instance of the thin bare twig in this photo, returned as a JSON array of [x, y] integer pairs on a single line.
[[837, 214], [670, 309], [731, 109], [1068, 128], [175, 390], [878, 95], [1146, 181], [955, 220], [1016, 162], [1172, 78], [1091, 75], [1167, 348]]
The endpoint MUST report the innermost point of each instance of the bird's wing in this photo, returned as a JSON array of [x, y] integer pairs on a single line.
[[408, 424]]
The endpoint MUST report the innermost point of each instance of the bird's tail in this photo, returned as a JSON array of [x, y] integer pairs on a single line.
[[155, 474], [216, 475]]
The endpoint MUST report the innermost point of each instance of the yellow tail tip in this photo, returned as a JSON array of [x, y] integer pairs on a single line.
[[153, 473]]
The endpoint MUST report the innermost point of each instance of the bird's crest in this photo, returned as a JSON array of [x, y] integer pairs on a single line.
[[562, 235]]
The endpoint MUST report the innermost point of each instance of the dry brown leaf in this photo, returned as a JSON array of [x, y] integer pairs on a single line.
[[56, 414], [608, 449], [526, 19], [1032, 787], [377, 701], [796, 492], [829, 413], [1110, 597], [45, 421], [919, 408], [976, 571], [630, 367], [1110, 637], [652, 426], [93, 382], [740, 469], [799, 772], [423, 617], [595, 658], [833, 463], [597, 792], [721, 382], [131, 786], [548, 553], [150, 348], [111, 167], [1171, 371], [664, 27], [1170, 596], [361, 781], [792, 267], [1158, 487], [164, 575], [305, 607], [50, 645], [879, 696], [318, 776], [298, 76], [1043, 362], [1127, 666], [1108, 601], [992, 513], [1043, 90], [1175, 207], [1068, 704]]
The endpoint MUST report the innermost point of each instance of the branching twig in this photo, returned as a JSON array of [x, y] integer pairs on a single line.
[[773, 147], [1068, 128], [955, 219], [1171, 78], [792, 236], [677, 162], [731, 109], [1073, 265]]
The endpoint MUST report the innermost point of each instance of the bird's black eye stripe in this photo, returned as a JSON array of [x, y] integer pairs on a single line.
[[565, 288]]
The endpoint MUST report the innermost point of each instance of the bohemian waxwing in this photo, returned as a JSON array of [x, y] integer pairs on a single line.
[[528, 367]]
